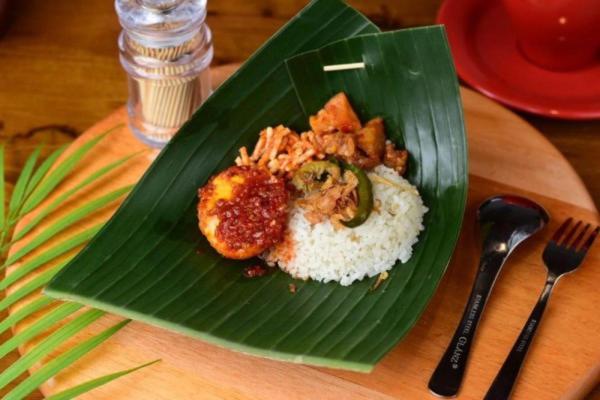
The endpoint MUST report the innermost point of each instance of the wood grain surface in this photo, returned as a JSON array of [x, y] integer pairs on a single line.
[[567, 347]]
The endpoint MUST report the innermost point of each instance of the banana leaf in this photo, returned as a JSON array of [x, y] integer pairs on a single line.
[[150, 262]]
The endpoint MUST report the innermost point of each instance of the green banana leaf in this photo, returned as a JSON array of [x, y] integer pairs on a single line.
[[150, 262]]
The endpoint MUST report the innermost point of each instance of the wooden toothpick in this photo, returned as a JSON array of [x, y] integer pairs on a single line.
[[342, 67]]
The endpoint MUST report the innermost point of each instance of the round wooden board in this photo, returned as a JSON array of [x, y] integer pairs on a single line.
[[505, 152]]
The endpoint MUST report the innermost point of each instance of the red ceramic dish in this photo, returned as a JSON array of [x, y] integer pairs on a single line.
[[487, 58]]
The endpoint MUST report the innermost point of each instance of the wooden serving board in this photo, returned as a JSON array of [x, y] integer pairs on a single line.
[[506, 155]]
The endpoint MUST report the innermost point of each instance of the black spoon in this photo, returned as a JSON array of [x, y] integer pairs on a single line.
[[504, 222]]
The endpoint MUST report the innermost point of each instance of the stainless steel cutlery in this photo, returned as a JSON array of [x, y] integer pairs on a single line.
[[505, 222], [563, 254]]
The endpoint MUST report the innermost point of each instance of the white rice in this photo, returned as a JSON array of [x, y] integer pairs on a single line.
[[325, 254]]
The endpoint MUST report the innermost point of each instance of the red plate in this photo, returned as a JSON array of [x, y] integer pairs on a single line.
[[487, 57]]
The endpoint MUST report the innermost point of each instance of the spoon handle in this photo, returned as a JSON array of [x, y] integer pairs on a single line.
[[507, 376], [447, 377]]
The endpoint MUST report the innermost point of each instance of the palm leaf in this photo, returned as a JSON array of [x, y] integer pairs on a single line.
[[61, 362], [160, 257], [43, 169], [48, 345], [57, 175], [39, 326], [72, 218], [25, 311], [31, 286], [47, 256], [68, 194], [94, 383], [18, 194]]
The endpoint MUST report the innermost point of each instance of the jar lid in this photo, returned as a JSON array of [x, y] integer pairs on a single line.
[[161, 22]]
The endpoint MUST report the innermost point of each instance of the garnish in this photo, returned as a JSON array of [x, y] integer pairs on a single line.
[[312, 175], [365, 196], [254, 271], [380, 279], [385, 181]]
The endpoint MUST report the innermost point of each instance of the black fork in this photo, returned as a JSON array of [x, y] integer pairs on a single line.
[[563, 254]]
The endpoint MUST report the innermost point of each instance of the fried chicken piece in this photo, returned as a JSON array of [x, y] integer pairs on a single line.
[[371, 141], [336, 115], [371, 138], [338, 144], [394, 158]]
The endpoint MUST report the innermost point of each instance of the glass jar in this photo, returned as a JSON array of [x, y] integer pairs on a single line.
[[166, 49]]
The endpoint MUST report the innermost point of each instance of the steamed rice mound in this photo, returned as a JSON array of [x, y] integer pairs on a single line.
[[345, 255]]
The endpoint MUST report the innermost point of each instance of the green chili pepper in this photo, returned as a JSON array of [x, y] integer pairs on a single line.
[[311, 175], [365, 196]]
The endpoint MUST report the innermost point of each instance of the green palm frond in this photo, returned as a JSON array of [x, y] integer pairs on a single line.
[[39, 326], [31, 286], [43, 170], [94, 383], [24, 312], [68, 220], [56, 176], [62, 361], [19, 191], [66, 195], [48, 345], [47, 256], [32, 187]]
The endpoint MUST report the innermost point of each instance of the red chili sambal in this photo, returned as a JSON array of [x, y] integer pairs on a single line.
[[243, 211]]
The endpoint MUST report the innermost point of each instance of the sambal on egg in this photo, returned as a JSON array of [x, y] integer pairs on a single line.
[[243, 211]]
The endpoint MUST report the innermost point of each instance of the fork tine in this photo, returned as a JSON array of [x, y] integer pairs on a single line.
[[571, 233], [590, 240], [580, 236], [561, 230]]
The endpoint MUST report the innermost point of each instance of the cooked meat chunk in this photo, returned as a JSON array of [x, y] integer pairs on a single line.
[[335, 199], [336, 131], [394, 158], [371, 138], [338, 144], [371, 141], [336, 115]]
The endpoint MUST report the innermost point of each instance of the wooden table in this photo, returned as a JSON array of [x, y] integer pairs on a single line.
[[59, 67]]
